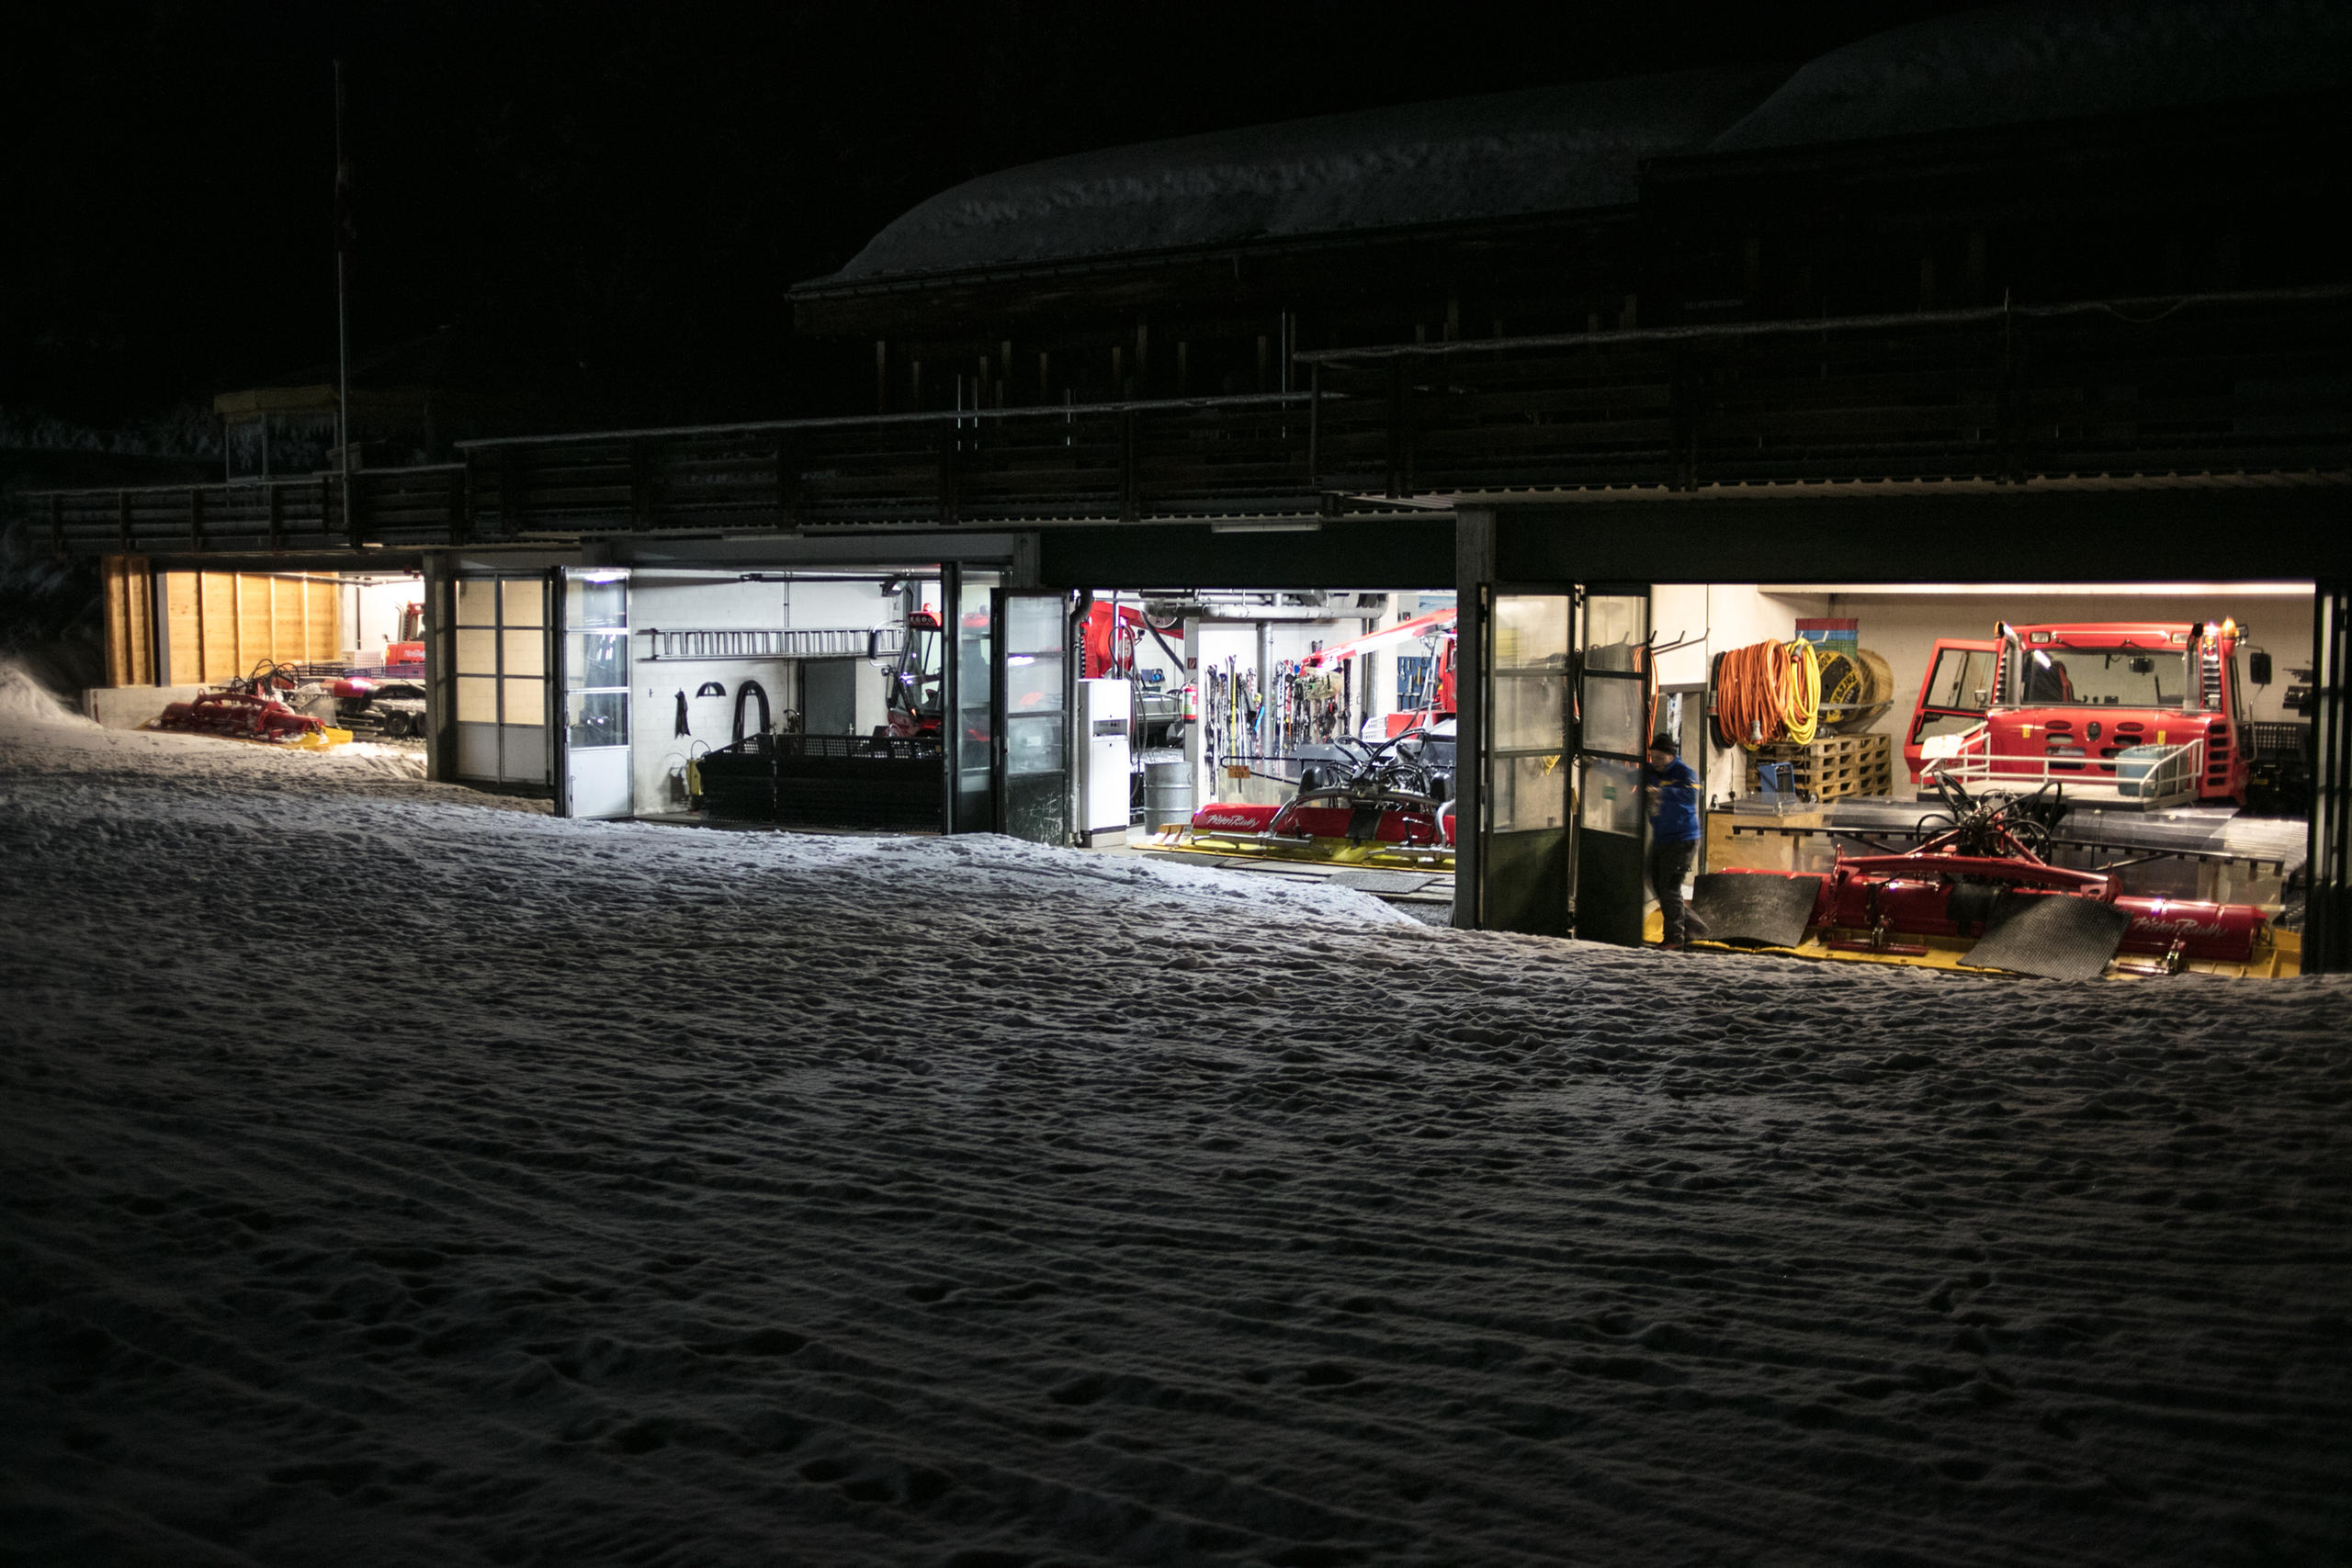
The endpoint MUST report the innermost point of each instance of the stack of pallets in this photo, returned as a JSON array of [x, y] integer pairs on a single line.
[[1831, 766]]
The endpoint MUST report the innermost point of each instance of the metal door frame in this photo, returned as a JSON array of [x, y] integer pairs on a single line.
[[560, 678], [1482, 607], [1609, 925], [1000, 664]]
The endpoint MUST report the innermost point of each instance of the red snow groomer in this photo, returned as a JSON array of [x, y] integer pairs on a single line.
[[1979, 896], [251, 708], [2136, 713]]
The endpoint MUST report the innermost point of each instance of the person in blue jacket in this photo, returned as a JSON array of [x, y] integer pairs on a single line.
[[1674, 832]]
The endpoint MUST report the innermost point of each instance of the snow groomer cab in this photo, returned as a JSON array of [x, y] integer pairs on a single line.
[[2147, 714]]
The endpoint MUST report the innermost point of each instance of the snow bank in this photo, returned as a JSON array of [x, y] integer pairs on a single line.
[[25, 702], [389, 1179], [1550, 149], [2010, 64]]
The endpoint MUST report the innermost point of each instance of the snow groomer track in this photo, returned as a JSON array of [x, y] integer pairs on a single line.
[[725, 1199]]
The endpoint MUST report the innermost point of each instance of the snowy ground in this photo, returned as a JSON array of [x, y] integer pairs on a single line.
[[394, 1177]]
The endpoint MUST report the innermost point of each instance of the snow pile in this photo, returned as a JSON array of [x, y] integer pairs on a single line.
[[1550, 149], [25, 702], [394, 1180], [2012, 64]]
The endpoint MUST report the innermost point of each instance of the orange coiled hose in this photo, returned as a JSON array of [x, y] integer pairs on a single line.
[[1768, 692]]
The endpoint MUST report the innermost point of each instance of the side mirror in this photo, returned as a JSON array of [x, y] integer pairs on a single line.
[[2257, 665], [2142, 665]]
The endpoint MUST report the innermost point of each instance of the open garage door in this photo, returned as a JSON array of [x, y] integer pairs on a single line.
[[593, 735], [1033, 711], [1613, 710], [1524, 853]]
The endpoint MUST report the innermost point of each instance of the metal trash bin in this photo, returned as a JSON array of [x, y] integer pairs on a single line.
[[1167, 794]]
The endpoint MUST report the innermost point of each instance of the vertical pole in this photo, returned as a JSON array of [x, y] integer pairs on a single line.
[[1474, 576], [2327, 921], [951, 714], [342, 300]]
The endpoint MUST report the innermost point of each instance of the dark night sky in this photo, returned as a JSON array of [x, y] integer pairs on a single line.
[[633, 186]]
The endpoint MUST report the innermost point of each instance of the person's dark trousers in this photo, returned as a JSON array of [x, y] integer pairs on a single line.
[[1669, 863]]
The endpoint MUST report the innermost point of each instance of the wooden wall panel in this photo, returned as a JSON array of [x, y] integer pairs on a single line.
[[126, 588], [222, 624]]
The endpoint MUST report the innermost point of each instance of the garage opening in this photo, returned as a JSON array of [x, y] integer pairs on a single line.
[[1904, 773], [340, 648], [1306, 734], [788, 698]]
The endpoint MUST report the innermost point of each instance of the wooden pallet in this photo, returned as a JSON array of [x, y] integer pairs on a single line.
[[1831, 767]]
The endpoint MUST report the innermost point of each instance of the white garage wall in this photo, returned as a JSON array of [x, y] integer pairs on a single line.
[[678, 603], [371, 614], [1722, 616]]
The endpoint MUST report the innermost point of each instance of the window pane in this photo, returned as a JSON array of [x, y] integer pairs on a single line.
[[1610, 799], [972, 671], [1615, 713], [477, 652], [598, 659], [1033, 744], [1530, 631], [522, 602], [598, 718], [1032, 625], [597, 604], [477, 602], [1532, 711], [526, 702], [1033, 683], [1963, 680], [525, 653], [477, 700], [1529, 793], [1612, 630]]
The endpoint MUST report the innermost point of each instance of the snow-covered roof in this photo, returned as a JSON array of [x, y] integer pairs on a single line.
[[1580, 146], [2015, 63], [1545, 150]]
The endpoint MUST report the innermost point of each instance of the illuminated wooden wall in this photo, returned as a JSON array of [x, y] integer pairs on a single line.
[[126, 589], [219, 624]]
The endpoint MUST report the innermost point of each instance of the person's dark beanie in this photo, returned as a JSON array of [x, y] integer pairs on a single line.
[[1665, 743]]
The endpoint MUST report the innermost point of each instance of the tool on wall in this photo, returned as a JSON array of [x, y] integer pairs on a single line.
[[767, 721]]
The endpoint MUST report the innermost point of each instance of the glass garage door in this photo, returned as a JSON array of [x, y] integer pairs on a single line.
[[1033, 705], [596, 775], [1613, 823], [1523, 857], [500, 675]]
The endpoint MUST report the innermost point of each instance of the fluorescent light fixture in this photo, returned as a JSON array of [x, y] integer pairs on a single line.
[[1271, 525]]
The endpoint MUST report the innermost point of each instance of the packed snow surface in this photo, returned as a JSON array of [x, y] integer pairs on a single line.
[[1548, 149], [395, 1176], [2055, 60]]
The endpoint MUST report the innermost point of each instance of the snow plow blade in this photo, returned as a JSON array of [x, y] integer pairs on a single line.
[[1923, 924], [1328, 829]]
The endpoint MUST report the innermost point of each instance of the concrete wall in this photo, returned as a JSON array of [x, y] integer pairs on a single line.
[[129, 707]]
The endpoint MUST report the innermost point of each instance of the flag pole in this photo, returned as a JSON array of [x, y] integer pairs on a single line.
[[342, 300]]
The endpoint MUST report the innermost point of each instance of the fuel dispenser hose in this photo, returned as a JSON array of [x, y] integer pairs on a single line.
[[1769, 692]]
